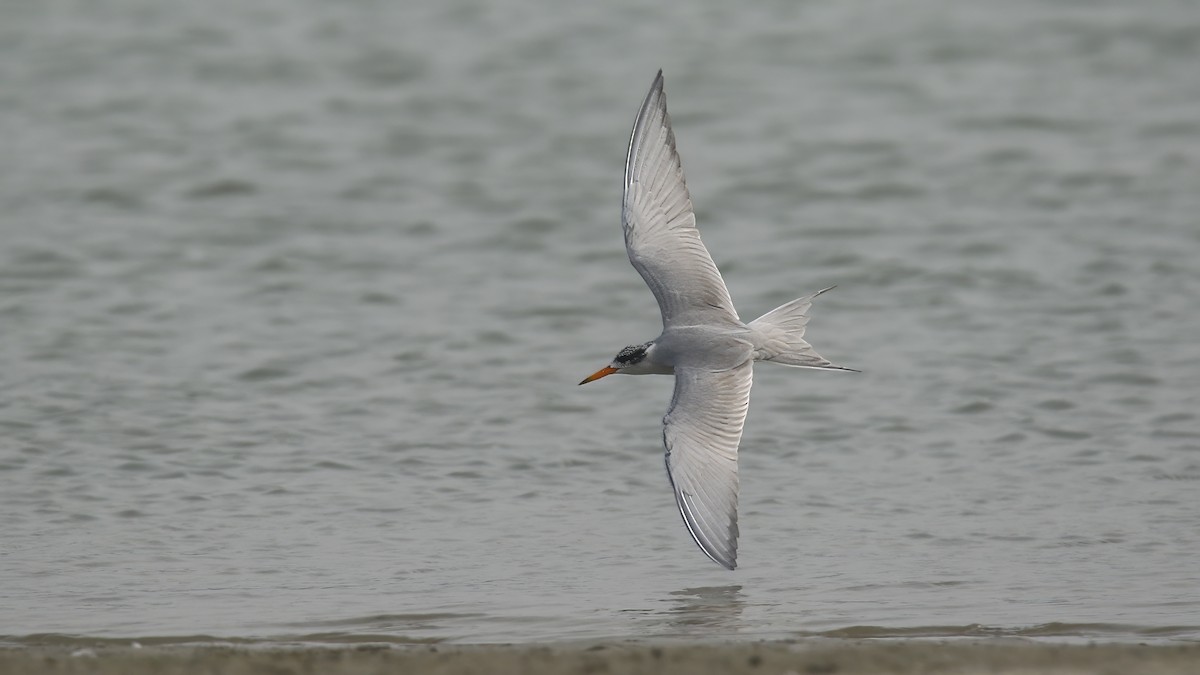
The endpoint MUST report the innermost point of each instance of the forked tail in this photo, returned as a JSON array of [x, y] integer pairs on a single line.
[[782, 335]]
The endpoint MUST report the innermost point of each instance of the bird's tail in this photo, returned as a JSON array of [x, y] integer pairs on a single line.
[[781, 333]]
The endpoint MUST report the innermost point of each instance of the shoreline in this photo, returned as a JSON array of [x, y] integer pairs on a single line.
[[998, 656]]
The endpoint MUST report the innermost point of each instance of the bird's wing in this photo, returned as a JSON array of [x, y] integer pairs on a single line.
[[701, 432], [660, 227]]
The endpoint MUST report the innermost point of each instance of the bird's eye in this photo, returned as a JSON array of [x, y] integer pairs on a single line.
[[631, 354]]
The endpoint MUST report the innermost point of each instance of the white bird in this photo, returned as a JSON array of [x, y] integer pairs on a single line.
[[703, 343]]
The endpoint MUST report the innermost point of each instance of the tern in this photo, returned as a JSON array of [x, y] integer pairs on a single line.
[[703, 343]]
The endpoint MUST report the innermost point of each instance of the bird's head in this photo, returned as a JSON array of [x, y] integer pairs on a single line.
[[631, 360]]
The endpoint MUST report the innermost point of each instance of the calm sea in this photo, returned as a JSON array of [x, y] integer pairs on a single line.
[[294, 296]]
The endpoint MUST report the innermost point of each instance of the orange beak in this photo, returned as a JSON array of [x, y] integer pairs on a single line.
[[603, 372]]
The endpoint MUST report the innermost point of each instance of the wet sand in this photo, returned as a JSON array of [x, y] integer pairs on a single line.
[[809, 658]]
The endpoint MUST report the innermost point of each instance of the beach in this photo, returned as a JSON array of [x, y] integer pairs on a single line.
[[815, 658]]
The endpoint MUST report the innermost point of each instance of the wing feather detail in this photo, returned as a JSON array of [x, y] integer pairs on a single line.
[[701, 433], [660, 224]]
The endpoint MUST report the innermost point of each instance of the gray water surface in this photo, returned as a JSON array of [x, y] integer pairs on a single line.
[[294, 297]]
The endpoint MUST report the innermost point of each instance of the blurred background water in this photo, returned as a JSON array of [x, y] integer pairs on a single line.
[[294, 297]]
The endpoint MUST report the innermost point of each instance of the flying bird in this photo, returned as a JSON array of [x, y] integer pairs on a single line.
[[704, 344]]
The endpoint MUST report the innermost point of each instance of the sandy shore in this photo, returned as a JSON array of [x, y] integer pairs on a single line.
[[809, 658]]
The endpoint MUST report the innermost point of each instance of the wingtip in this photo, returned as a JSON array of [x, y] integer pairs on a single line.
[[657, 84], [729, 561], [724, 555], [726, 559]]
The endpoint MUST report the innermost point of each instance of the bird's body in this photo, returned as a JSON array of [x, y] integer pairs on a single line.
[[712, 347], [704, 343]]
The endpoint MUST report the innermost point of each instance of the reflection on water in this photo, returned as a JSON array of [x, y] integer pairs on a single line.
[[705, 607]]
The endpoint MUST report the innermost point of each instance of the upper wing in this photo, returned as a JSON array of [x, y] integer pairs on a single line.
[[701, 432], [660, 227]]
